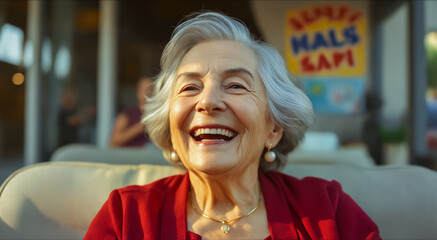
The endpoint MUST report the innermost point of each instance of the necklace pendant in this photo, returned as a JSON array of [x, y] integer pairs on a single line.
[[225, 228]]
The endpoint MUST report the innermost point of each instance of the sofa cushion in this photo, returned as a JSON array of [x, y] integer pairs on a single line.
[[149, 154]]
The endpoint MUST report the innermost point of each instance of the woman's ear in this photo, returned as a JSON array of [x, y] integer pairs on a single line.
[[275, 136]]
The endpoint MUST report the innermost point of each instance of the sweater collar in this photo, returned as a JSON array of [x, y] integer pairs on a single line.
[[280, 219], [175, 212]]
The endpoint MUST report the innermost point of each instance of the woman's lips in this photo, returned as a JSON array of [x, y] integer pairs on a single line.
[[209, 142]]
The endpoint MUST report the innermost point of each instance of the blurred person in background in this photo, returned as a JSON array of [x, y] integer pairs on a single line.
[[71, 118], [128, 130]]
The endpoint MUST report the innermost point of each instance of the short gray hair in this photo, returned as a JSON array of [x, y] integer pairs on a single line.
[[288, 105]]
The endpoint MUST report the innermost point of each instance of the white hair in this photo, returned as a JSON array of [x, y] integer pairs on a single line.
[[288, 105]]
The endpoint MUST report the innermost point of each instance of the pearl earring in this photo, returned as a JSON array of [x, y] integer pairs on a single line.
[[174, 156], [270, 156]]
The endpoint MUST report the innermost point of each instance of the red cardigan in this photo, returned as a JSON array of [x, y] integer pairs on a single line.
[[310, 208]]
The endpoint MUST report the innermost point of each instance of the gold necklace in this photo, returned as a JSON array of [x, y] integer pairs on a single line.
[[225, 223]]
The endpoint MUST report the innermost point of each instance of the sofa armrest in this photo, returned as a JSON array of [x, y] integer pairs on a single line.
[[58, 200]]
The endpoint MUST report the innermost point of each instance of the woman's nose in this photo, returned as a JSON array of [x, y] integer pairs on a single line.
[[211, 99]]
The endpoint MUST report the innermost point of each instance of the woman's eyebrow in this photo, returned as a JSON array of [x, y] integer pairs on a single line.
[[238, 71], [226, 72], [188, 75]]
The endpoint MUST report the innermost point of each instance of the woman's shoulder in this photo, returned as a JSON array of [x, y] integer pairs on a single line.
[[321, 205], [304, 182], [307, 187]]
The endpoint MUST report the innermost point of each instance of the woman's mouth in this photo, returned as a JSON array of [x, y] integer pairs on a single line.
[[213, 134]]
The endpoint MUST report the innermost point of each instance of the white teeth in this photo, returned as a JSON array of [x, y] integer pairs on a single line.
[[207, 140], [220, 131]]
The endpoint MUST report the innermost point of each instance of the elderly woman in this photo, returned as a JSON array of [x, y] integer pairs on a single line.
[[225, 109]]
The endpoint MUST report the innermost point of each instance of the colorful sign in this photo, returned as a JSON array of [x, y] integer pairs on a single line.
[[326, 40]]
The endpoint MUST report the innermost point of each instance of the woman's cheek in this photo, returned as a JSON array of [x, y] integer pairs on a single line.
[[250, 110], [178, 112]]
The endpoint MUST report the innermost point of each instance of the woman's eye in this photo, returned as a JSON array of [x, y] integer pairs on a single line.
[[188, 88], [236, 86]]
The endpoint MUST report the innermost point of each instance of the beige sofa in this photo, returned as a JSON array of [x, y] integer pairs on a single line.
[[58, 200], [79, 152], [150, 154]]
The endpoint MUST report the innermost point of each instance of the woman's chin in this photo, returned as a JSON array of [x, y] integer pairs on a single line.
[[211, 165]]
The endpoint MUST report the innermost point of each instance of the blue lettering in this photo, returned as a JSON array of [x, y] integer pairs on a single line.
[[333, 38], [351, 35], [319, 41], [301, 43], [297, 43]]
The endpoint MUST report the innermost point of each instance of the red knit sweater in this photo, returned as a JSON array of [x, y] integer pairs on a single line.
[[310, 208]]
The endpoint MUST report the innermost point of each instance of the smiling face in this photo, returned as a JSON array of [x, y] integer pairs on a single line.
[[218, 114]]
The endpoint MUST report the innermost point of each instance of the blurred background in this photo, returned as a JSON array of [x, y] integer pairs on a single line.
[[369, 67]]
